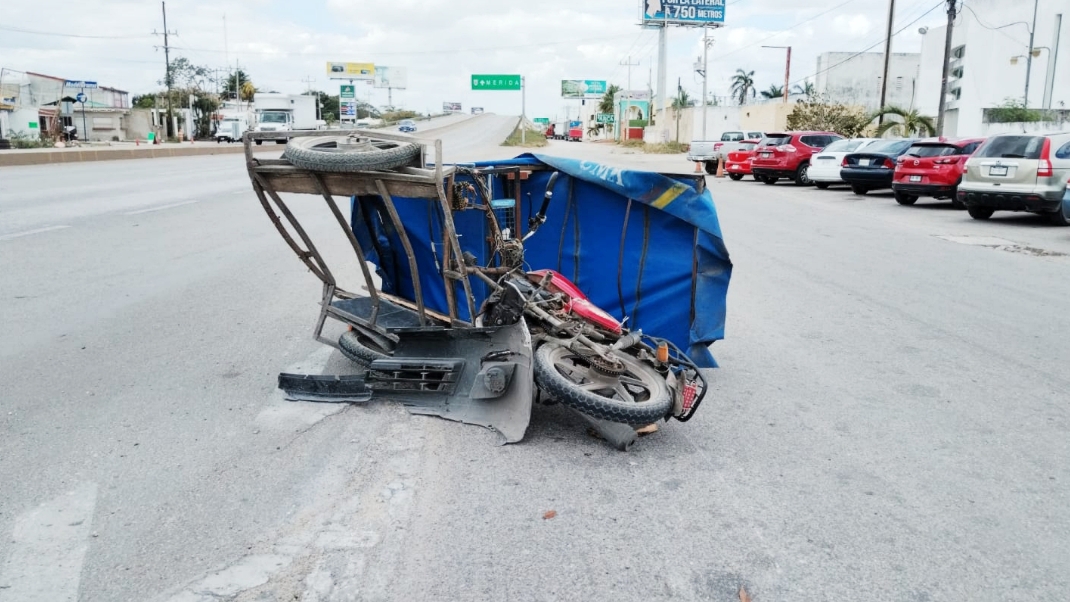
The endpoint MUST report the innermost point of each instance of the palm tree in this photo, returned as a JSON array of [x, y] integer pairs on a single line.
[[743, 82], [606, 104], [681, 101], [774, 91], [910, 123], [807, 88]]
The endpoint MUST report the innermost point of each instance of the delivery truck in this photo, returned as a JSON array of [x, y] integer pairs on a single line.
[[284, 113]]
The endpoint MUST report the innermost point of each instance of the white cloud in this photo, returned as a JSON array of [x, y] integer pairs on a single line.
[[441, 42]]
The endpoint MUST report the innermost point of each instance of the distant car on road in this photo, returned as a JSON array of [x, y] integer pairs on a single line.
[[825, 166], [1018, 172], [932, 168], [738, 163], [787, 155], [873, 167], [407, 125]]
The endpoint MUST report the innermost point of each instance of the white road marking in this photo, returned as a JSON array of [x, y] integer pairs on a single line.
[[29, 232], [160, 208], [49, 547]]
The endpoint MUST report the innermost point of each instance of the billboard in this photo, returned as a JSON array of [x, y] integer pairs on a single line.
[[350, 70], [347, 102], [391, 77], [583, 88], [683, 12], [451, 107]]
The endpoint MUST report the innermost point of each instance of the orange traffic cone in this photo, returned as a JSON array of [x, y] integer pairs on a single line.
[[720, 167], [698, 167]]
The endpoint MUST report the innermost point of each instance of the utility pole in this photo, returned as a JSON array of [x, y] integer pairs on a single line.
[[1029, 55], [951, 10], [663, 61], [523, 111], [167, 61], [308, 83], [887, 58], [628, 93], [706, 43]]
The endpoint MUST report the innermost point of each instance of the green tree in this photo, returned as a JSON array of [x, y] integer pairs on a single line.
[[230, 83], [143, 101], [774, 91], [742, 83], [806, 89], [818, 113], [909, 123], [607, 104], [328, 103]]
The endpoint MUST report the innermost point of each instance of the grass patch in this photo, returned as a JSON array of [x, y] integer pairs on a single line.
[[533, 138], [660, 148]]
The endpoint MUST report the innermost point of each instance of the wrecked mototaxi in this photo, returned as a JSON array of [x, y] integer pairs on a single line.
[[492, 286]]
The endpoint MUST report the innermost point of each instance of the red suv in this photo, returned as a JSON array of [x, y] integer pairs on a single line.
[[932, 168], [787, 155]]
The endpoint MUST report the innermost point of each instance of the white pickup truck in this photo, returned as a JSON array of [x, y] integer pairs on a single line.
[[710, 151]]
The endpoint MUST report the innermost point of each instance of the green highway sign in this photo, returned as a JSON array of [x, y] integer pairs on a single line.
[[604, 118], [495, 82], [542, 120]]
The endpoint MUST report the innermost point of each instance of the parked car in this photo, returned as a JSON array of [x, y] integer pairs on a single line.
[[787, 155], [407, 125], [825, 166], [874, 166], [932, 168], [1018, 172], [738, 162], [709, 152]]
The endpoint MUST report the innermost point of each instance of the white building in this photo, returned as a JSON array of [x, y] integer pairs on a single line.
[[855, 79], [989, 43]]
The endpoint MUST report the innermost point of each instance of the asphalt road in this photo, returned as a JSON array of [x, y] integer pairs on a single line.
[[889, 421]]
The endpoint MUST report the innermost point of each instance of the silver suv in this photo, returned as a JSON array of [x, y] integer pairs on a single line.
[[1018, 172]]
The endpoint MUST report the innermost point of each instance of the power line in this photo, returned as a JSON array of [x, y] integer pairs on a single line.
[[751, 45], [68, 35], [997, 29], [879, 42]]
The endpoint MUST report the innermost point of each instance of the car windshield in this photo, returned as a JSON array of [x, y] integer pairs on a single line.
[[746, 146], [408, 122], [889, 147], [932, 150], [755, 135], [775, 140], [731, 136], [1011, 147], [273, 118], [843, 146]]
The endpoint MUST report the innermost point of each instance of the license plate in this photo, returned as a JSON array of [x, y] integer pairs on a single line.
[[863, 161], [997, 170], [734, 167], [915, 178], [765, 155]]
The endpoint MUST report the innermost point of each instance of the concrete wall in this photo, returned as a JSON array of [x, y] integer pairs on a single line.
[[856, 80], [137, 124], [718, 120], [767, 117], [22, 121], [1038, 127]]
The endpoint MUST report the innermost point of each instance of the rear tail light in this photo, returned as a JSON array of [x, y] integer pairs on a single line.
[[787, 148], [889, 163], [950, 161], [844, 164], [1044, 167], [717, 146], [899, 161]]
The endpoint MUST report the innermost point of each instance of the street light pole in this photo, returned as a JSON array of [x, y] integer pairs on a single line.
[[706, 43], [1029, 55], [787, 71], [951, 9], [887, 58]]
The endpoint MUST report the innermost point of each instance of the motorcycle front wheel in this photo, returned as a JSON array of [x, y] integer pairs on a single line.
[[621, 389]]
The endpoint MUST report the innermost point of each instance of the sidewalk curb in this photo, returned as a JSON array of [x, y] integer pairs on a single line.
[[15, 158]]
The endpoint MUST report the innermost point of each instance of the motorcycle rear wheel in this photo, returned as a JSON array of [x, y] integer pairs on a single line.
[[637, 396]]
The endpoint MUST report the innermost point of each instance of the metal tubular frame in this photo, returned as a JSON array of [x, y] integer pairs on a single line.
[[272, 176]]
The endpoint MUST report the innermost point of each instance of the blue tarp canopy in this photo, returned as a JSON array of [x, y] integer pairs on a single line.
[[642, 246]]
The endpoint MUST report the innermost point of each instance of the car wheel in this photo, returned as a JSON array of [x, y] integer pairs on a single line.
[[905, 199], [822, 185], [800, 175], [711, 167], [859, 189], [259, 142], [1061, 217], [736, 176], [769, 180], [955, 202], [980, 212]]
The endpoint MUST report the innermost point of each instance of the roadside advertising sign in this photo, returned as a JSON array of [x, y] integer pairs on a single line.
[[583, 88], [683, 12], [364, 71], [70, 83], [495, 82], [347, 101], [604, 118], [391, 77]]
